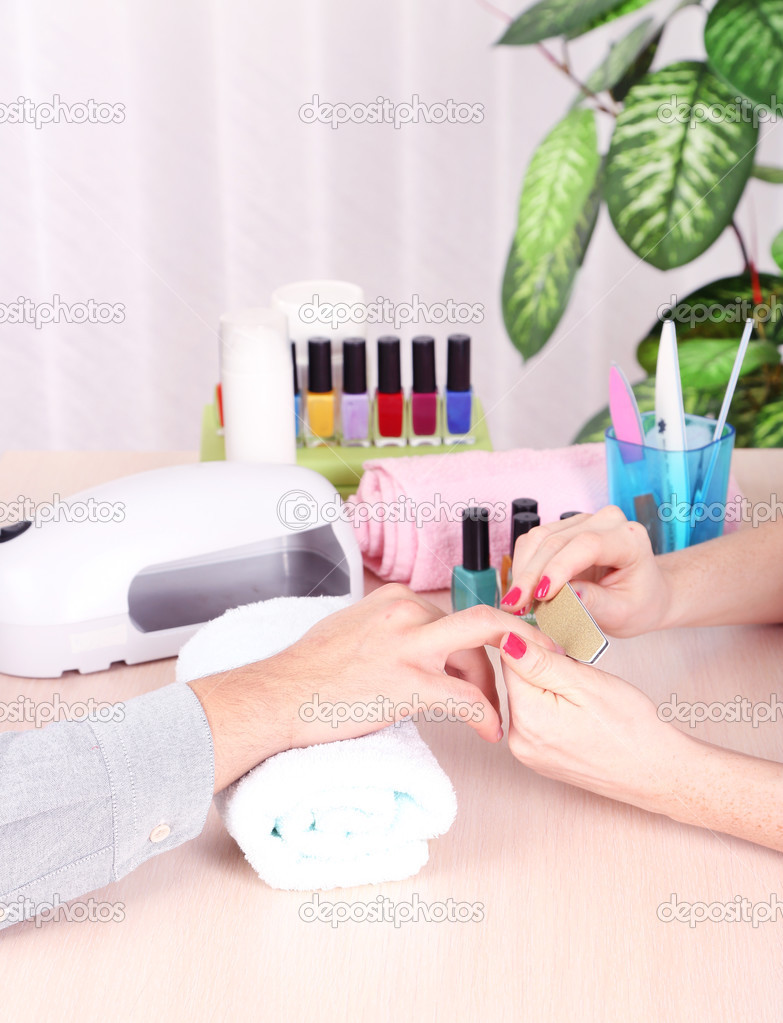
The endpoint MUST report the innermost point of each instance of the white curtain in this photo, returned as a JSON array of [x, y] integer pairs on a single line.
[[211, 191]]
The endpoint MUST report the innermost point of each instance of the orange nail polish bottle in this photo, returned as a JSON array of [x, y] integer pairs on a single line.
[[521, 523]]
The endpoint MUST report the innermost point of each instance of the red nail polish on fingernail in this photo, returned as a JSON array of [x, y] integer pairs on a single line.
[[512, 596], [514, 646], [522, 611], [543, 587], [578, 593]]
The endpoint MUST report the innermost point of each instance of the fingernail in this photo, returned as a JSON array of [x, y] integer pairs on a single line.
[[578, 593], [500, 735], [514, 646], [543, 587], [512, 596], [522, 611]]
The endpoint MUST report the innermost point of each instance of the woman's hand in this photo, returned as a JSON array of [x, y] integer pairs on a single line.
[[580, 725], [354, 672], [610, 561]]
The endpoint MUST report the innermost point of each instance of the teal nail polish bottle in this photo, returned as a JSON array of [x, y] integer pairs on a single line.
[[474, 582]]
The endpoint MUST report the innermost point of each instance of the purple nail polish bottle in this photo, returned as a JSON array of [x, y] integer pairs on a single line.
[[355, 403]]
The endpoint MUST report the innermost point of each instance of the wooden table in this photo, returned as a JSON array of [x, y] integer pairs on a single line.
[[570, 883]]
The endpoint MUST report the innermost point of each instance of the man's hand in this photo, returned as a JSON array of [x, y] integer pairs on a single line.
[[393, 647]]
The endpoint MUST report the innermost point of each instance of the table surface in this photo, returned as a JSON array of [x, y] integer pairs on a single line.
[[570, 882]]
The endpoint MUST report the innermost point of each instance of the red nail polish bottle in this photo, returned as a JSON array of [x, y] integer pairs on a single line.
[[389, 401]]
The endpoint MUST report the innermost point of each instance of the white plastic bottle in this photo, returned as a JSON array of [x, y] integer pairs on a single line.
[[258, 396]]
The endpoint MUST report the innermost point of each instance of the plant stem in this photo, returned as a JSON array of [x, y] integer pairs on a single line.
[[561, 65], [580, 85], [566, 60], [742, 245]]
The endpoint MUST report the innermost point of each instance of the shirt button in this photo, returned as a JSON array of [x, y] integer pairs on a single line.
[[158, 834]]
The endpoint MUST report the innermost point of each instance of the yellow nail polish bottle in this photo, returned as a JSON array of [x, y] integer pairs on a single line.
[[320, 395]]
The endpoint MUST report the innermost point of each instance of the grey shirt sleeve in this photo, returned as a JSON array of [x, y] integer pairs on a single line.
[[84, 803]]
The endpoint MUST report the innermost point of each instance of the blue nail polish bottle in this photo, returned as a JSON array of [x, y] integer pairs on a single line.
[[297, 396], [474, 581], [459, 396]]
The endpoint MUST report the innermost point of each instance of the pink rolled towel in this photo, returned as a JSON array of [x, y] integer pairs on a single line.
[[407, 511]]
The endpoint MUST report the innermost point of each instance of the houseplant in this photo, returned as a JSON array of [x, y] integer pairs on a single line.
[[682, 152]]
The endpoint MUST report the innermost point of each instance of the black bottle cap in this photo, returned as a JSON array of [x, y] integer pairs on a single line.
[[296, 371], [475, 539], [389, 379], [319, 365], [524, 504], [522, 523], [424, 365], [458, 375], [354, 365], [568, 515]]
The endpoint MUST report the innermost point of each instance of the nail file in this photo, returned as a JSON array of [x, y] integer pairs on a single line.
[[670, 431], [628, 431], [568, 623], [646, 511], [626, 420]]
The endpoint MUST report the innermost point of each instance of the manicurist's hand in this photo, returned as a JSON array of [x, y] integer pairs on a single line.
[[574, 723], [580, 725], [376, 659], [608, 559]]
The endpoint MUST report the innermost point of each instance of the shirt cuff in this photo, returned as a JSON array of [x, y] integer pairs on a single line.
[[160, 763]]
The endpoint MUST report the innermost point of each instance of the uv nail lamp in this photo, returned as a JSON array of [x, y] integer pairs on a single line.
[[129, 570]]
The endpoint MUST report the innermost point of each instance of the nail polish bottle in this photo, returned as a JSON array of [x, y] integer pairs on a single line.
[[524, 504], [389, 401], [320, 396], [459, 397], [474, 581], [355, 401], [424, 419], [521, 523], [219, 404], [297, 398]]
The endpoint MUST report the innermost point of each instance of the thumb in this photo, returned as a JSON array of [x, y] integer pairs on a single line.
[[525, 661], [599, 601]]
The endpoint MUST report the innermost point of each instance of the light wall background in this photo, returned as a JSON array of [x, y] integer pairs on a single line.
[[213, 191]]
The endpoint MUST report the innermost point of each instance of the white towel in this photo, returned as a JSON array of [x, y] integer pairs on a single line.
[[339, 814]]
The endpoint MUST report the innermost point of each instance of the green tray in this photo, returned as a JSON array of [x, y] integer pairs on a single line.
[[342, 466]]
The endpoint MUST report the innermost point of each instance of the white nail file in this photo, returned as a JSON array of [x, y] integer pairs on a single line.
[[670, 432]]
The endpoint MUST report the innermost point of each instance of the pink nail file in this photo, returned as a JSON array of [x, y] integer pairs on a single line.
[[625, 416]]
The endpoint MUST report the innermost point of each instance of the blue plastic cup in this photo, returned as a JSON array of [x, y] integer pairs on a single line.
[[679, 496]]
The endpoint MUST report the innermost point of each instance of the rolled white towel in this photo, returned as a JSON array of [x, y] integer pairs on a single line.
[[339, 814]]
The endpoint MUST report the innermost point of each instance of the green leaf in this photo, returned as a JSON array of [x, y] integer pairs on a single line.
[[626, 7], [674, 179], [638, 69], [557, 212], [550, 18], [774, 175], [744, 43], [768, 429], [621, 57], [777, 249], [707, 365], [719, 309]]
